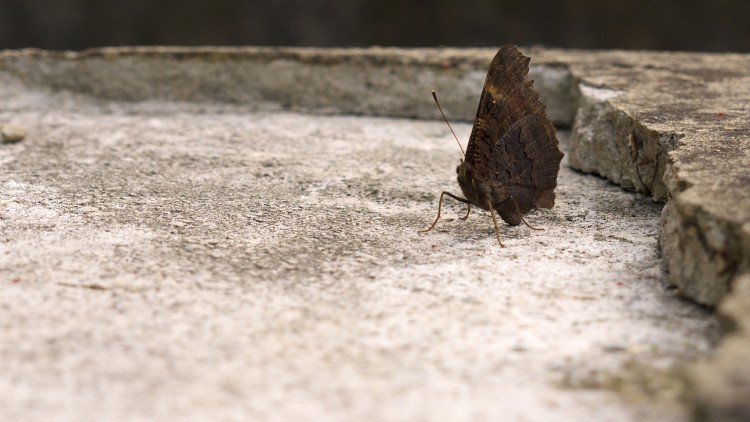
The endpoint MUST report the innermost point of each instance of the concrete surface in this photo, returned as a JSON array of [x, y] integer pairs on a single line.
[[172, 260], [675, 126], [176, 256], [629, 111], [719, 386], [375, 81]]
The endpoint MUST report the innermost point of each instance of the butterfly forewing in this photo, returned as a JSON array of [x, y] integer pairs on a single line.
[[507, 96]]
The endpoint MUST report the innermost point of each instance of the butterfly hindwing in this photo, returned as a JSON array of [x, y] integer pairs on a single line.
[[526, 162]]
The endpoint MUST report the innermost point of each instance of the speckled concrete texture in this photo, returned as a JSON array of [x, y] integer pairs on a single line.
[[720, 386], [671, 125], [176, 239], [167, 261]]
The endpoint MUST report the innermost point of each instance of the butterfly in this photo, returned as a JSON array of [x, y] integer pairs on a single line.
[[513, 156]]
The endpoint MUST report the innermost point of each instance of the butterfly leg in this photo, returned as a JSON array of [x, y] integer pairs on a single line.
[[440, 207], [468, 211], [518, 211], [494, 221]]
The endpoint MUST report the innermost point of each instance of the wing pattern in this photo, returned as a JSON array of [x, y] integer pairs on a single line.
[[513, 147]]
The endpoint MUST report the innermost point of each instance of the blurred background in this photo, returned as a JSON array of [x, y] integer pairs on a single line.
[[715, 25]]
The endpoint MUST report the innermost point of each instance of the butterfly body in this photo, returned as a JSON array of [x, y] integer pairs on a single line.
[[513, 156], [481, 194]]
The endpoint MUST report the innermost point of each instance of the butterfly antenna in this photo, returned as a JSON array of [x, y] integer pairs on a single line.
[[434, 95]]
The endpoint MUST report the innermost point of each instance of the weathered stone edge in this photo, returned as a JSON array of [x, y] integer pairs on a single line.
[[374, 81], [697, 161]]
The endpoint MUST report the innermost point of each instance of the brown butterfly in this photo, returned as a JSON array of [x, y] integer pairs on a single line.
[[513, 157]]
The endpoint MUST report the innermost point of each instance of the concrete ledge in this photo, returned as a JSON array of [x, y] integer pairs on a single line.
[[674, 126], [375, 81]]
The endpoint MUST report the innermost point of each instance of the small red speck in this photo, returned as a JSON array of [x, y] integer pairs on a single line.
[[434, 246], [720, 114], [15, 280], [445, 65], [619, 283]]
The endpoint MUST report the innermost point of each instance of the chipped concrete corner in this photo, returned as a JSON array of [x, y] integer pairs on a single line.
[[672, 126], [612, 144]]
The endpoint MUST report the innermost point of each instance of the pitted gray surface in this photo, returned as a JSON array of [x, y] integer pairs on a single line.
[[671, 125], [168, 260], [116, 197]]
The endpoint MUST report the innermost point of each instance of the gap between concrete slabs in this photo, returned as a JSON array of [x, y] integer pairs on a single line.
[[666, 124]]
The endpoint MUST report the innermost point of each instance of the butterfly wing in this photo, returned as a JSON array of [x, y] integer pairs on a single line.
[[524, 165], [507, 97], [513, 146]]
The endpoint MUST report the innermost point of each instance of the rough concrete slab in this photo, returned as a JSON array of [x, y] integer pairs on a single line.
[[374, 81], [630, 112], [675, 126], [720, 386], [669, 125], [192, 261]]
